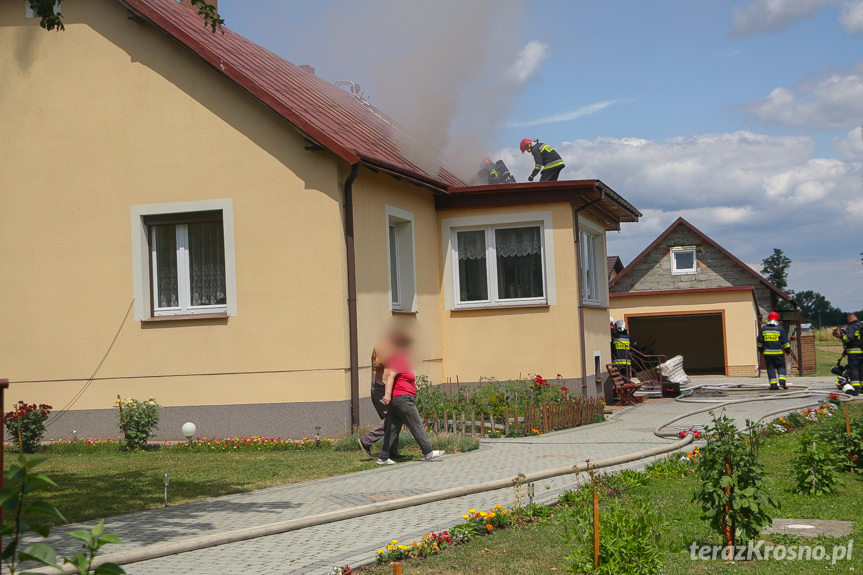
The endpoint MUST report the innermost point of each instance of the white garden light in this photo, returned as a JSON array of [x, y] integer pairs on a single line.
[[189, 430]]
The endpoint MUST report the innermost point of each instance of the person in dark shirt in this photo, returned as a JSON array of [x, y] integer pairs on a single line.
[[546, 160]]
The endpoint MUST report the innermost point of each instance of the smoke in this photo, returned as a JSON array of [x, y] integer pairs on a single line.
[[445, 70]]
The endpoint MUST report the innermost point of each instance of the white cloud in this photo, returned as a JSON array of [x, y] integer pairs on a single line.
[[565, 117], [852, 16], [850, 148], [831, 100], [772, 15], [528, 62], [750, 192], [775, 15]]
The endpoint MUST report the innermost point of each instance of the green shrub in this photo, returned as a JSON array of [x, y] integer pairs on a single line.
[[26, 425], [676, 465], [732, 494], [138, 421], [628, 537], [849, 448], [815, 466]]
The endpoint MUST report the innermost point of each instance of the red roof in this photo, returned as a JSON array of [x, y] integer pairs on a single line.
[[330, 116], [705, 238]]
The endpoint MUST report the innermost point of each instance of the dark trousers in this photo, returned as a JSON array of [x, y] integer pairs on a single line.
[[403, 411], [775, 368], [377, 432], [551, 174], [855, 368]]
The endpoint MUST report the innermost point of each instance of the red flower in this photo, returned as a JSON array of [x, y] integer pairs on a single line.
[[563, 389]]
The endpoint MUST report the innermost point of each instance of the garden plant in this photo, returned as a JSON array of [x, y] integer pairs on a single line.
[[25, 425], [138, 421]]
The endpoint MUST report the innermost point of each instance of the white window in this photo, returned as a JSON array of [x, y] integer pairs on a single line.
[[400, 257], [683, 261], [188, 264], [183, 259], [499, 265], [591, 271]]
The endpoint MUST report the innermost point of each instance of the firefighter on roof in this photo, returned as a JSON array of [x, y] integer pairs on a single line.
[[852, 340], [773, 344], [545, 159]]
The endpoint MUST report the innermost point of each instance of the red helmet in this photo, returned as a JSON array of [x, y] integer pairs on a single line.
[[525, 145], [773, 316], [486, 161]]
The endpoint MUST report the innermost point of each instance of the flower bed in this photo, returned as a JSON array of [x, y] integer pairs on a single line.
[[254, 443], [514, 408]]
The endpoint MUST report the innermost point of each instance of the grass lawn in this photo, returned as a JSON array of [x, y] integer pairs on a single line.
[[539, 549], [826, 354], [100, 481]]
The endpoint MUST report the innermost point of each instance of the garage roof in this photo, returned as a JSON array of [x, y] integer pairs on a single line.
[[705, 238], [324, 113]]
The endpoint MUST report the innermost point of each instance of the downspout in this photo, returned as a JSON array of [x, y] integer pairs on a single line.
[[353, 329], [577, 233]]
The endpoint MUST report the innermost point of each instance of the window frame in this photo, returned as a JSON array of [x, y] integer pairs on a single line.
[[184, 289], [686, 271], [405, 259], [599, 253], [492, 279], [143, 217]]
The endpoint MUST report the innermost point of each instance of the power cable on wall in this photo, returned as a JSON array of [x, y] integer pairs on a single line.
[[78, 395]]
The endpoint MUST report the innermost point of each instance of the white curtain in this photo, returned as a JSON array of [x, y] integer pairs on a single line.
[[207, 263], [513, 242], [471, 245]]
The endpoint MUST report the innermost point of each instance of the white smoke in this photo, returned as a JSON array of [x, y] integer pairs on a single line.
[[446, 70]]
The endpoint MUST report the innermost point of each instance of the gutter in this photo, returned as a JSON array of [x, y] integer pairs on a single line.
[[353, 330], [577, 234]]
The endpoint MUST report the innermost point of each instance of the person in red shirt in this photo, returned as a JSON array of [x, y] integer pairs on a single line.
[[400, 393]]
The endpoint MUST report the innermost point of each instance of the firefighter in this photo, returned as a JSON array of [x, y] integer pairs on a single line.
[[620, 354], [773, 344], [487, 174], [545, 159], [852, 339]]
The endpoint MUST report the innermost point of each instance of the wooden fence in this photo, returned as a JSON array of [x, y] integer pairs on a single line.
[[542, 418]]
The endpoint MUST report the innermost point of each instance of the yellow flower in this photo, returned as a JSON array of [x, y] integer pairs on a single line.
[[498, 507], [395, 542], [504, 511], [471, 511], [482, 513], [465, 517], [492, 515]]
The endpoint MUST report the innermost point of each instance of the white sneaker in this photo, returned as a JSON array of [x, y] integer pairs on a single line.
[[434, 454], [385, 462]]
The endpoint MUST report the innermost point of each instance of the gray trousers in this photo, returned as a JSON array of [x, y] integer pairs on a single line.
[[378, 431], [403, 411]]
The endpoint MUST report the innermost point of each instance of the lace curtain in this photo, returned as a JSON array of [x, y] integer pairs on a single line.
[[207, 263], [471, 245], [166, 267], [513, 242]]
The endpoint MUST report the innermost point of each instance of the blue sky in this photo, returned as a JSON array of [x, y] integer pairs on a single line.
[[737, 115]]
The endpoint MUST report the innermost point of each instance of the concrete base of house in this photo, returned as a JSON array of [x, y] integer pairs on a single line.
[[285, 420]]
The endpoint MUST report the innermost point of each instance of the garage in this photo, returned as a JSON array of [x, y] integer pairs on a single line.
[[698, 337]]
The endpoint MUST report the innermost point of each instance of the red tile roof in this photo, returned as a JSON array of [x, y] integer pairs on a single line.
[[615, 264], [330, 116]]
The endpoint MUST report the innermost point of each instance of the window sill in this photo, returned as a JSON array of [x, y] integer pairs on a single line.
[[594, 304], [190, 317], [496, 307], [404, 312]]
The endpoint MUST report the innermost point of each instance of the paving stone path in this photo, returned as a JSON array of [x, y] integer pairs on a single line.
[[315, 550]]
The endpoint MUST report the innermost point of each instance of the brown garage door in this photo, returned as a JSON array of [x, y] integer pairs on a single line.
[[699, 338]]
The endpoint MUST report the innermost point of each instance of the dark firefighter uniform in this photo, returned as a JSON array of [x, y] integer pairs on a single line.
[[620, 354], [493, 173], [546, 159], [852, 339], [773, 344]]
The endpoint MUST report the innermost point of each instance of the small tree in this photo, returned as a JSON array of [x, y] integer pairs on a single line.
[[815, 466], [732, 495], [138, 420], [26, 425]]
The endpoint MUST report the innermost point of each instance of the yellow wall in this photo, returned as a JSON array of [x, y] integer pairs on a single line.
[[111, 114], [513, 342], [372, 194], [740, 320]]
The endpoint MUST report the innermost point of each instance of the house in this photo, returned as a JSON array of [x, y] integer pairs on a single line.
[[188, 216], [687, 295], [615, 266]]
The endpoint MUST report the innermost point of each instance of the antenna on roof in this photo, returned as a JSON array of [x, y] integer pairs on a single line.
[[355, 90]]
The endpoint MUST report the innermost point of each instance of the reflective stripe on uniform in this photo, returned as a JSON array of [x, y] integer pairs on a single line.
[[773, 352], [554, 165]]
